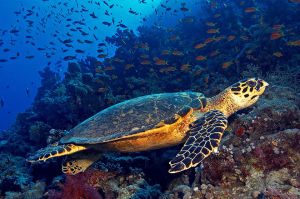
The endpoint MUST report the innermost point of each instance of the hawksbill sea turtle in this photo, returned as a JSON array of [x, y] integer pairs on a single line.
[[152, 122]]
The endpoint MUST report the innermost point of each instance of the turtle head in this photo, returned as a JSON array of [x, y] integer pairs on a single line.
[[247, 91]]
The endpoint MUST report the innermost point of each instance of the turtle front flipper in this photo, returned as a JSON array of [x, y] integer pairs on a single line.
[[205, 135], [55, 151], [79, 162]]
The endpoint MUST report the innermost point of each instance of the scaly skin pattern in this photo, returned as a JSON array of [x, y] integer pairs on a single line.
[[206, 132], [236, 97]]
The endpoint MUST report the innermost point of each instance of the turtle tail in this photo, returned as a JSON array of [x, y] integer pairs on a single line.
[[54, 151]]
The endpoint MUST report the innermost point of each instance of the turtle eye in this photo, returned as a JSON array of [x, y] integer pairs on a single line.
[[251, 83], [260, 83]]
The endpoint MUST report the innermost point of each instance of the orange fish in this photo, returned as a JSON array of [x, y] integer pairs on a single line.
[[128, 66], [188, 20], [260, 21], [108, 59], [198, 72], [98, 70], [278, 26], [231, 37], [184, 66], [278, 54], [101, 55], [165, 52], [174, 38], [144, 56], [213, 4], [218, 38], [226, 64], [145, 62], [101, 90], [176, 52], [251, 9], [214, 53], [199, 46], [294, 43], [109, 68], [118, 60], [244, 38], [185, 9], [249, 51], [155, 58], [212, 30], [162, 70], [160, 62], [276, 34], [114, 76], [170, 68], [210, 24], [206, 79], [208, 40], [145, 46], [200, 57]]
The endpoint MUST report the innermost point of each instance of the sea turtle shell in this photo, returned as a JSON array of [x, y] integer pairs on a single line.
[[132, 117]]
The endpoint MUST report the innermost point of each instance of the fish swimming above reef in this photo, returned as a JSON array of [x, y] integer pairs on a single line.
[[27, 91], [67, 58], [106, 23], [1, 102], [152, 122]]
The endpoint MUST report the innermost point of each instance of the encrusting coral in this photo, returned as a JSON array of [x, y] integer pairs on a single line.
[[259, 153]]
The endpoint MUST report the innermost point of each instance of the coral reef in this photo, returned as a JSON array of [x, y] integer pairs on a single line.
[[277, 110], [16, 182], [259, 153], [79, 186], [257, 157]]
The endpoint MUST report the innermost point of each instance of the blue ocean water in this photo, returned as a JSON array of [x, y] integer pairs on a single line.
[[39, 21], [63, 61]]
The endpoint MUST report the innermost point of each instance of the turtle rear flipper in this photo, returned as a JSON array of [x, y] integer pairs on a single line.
[[79, 162], [205, 136], [55, 151]]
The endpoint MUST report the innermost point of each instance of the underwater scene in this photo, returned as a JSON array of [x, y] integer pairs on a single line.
[[150, 99]]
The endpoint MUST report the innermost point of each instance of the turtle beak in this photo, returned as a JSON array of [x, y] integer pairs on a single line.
[[264, 83], [261, 86]]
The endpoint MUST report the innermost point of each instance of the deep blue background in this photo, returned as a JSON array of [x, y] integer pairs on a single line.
[[17, 75]]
